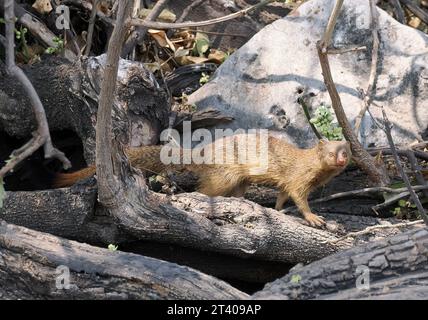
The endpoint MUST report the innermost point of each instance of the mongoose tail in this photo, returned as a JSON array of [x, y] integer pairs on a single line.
[[143, 158]]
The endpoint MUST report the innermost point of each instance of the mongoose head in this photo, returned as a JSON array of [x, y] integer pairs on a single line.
[[334, 154]]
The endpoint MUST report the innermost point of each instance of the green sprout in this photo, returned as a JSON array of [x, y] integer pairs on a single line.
[[324, 122]]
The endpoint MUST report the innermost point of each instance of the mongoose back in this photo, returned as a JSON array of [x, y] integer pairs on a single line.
[[294, 171]]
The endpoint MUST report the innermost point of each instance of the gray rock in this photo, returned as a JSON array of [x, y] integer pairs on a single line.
[[260, 84]]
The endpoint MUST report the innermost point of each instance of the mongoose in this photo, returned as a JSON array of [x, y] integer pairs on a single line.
[[294, 171]]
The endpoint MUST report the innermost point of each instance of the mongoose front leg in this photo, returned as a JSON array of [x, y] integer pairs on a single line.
[[281, 199], [301, 202]]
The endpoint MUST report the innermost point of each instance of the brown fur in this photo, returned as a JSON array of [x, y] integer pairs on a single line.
[[295, 172]]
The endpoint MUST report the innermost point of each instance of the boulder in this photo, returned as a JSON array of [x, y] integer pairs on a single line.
[[260, 84]]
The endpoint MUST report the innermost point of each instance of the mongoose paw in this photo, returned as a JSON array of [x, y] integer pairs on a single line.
[[314, 220]]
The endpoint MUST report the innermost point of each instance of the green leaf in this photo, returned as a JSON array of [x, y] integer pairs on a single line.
[[296, 278], [396, 211], [112, 247], [402, 203], [202, 44]]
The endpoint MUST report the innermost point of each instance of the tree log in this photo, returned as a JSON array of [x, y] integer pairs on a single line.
[[29, 262], [396, 266]]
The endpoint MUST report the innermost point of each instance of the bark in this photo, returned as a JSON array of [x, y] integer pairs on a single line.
[[396, 264], [29, 262]]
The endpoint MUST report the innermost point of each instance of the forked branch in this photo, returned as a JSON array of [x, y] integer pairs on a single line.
[[41, 137], [376, 172]]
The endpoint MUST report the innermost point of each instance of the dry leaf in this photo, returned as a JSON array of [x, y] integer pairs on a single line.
[[190, 60], [217, 56], [42, 6], [161, 38]]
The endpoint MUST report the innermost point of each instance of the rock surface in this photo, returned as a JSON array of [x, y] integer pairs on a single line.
[[260, 84]]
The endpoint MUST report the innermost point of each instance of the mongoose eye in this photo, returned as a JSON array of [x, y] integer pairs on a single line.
[[331, 154]]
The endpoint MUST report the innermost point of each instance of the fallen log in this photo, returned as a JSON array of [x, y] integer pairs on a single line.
[[35, 265], [394, 267]]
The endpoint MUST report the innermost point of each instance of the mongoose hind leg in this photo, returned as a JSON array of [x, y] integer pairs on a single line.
[[215, 184], [281, 199], [239, 190]]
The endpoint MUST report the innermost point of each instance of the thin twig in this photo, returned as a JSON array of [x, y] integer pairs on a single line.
[[416, 10], [42, 136], [398, 10], [89, 37], [345, 50], [220, 33], [139, 33], [302, 102], [391, 200], [387, 151], [377, 227], [404, 176], [189, 9], [326, 39], [400, 193], [165, 25], [366, 191], [367, 97], [417, 170]]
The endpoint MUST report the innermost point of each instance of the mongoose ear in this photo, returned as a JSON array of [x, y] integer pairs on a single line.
[[322, 143]]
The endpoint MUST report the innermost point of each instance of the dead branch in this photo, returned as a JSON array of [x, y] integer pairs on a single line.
[[42, 136], [387, 151], [413, 195], [139, 33], [91, 27], [302, 102], [417, 170], [164, 25], [108, 189], [400, 193], [416, 10], [373, 228], [189, 9], [398, 11], [362, 157], [345, 50], [367, 191]]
